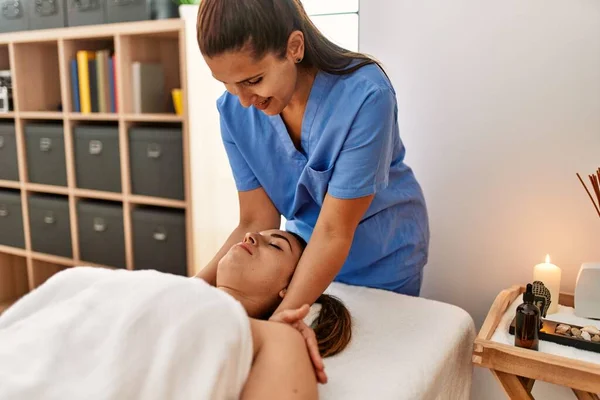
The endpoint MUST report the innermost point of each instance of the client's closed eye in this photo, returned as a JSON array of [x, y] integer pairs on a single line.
[[276, 246]]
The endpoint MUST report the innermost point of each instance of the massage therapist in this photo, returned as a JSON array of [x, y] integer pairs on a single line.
[[311, 133]]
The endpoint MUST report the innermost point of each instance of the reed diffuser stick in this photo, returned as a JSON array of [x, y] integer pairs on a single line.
[[589, 194], [596, 186]]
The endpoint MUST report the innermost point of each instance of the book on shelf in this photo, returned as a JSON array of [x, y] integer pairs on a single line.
[[148, 88], [102, 80], [75, 86], [112, 79], [93, 82], [83, 70]]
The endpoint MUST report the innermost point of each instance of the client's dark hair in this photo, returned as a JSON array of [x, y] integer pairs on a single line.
[[333, 325]]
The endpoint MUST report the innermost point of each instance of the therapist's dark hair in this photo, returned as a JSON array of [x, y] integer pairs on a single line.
[[230, 25], [333, 325]]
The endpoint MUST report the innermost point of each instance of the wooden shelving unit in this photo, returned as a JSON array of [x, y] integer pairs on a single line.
[[39, 61]]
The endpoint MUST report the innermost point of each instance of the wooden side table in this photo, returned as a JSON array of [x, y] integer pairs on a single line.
[[517, 369]]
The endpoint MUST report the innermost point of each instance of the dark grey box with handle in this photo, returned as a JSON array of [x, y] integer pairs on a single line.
[[13, 16], [46, 14], [159, 240], [50, 225], [101, 233], [97, 158], [156, 161], [86, 12], [46, 154], [9, 169], [11, 219], [127, 10]]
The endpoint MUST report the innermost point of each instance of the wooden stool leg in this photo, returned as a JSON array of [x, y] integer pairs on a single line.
[[581, 395], [528, 383], [513, 386]]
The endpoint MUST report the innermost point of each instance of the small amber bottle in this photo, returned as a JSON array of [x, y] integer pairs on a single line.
[[527, 322]]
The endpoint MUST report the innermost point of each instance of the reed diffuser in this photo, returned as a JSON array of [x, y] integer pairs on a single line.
[[595, 180]]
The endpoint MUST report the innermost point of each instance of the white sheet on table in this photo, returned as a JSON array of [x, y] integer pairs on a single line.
[[565, 315], [89, 333], [402, 348]]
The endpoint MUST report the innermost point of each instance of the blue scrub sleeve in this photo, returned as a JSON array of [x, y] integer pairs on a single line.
[[363, 165], [245, 179]]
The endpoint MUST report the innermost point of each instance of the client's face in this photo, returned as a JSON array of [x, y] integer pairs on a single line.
[[259, 268]]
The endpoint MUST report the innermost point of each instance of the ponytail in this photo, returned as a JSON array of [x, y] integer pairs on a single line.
[[333, 326]]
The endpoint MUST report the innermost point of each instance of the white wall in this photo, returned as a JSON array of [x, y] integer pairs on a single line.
[[214, 197], [499, 108]]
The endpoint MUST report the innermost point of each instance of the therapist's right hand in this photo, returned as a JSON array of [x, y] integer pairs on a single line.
[[295, 318]]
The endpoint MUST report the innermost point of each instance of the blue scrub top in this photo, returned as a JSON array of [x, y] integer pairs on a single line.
[[351, 148]]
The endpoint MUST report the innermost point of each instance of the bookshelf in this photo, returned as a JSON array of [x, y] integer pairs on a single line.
[[40, 65]]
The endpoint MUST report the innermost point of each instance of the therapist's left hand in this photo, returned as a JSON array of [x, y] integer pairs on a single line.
[[295, 318]]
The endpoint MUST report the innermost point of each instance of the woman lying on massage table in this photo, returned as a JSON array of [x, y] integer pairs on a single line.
[[96, 333], [256, 272]]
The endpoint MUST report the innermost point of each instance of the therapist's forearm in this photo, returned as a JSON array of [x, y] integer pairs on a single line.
[[321, 261], [209, 272]]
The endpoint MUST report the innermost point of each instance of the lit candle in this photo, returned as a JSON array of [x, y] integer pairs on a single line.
[[550, 275]]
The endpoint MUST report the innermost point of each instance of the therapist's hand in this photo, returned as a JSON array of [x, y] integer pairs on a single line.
[[295, 318]]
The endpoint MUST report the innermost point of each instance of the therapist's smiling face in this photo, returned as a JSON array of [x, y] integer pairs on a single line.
[[260, 268], [267, 83]]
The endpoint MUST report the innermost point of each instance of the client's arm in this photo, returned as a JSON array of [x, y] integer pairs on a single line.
[[281, 368]]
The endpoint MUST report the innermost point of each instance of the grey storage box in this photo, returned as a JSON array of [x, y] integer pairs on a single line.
[[9, 169], [11, 219], [156, 161], [46, 154], [97, 158], [46, 14], [159, 240], [127, 10], [163, 9], [86, 12], [50, 225], [101, 233], [13, 16]]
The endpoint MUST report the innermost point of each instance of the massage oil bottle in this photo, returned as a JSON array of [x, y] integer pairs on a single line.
[[527, 322]]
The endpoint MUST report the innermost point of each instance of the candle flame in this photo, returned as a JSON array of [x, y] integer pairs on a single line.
[[547, 258]]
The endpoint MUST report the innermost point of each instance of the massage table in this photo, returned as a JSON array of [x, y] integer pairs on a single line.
[[402, 348]]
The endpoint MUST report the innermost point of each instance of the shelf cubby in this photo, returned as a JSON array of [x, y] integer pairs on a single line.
[[154, 48], [14, 282], [36, 79], [69, 53], [43, 269], [5, 66], [4, 58]]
